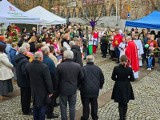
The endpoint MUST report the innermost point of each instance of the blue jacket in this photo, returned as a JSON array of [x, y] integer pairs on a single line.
[[52, 69], [12, 54]]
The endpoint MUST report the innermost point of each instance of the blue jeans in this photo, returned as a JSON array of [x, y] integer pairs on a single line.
[[39, 113], [71, 99], [150, 62]]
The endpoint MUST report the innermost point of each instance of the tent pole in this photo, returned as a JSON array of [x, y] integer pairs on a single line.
[[37, 29], [124, 28]]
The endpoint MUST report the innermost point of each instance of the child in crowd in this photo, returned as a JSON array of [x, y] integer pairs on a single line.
[[122, 47]]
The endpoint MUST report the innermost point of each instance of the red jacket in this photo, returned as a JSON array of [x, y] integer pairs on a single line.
[[117, 40]]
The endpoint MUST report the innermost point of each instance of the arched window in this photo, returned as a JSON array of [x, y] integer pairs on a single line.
[[113, 10], [95, 12], [86, 12], [62, 13], [104, 13], [74, 13], [68, 13], [80, 13]]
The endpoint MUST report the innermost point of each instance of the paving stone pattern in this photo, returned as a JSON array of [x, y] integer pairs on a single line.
[[146, 105]]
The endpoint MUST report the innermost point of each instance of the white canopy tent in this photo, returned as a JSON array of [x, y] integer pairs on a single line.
[[10, 14], [46, 16]]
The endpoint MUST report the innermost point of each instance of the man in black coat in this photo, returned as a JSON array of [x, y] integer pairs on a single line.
[[52, 69], [21, 61], [93, 81], [69, 77], [77, 52], [41, 85]]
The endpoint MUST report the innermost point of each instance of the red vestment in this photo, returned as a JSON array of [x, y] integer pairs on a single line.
[[95, 35], [95, 41], [132, 54]]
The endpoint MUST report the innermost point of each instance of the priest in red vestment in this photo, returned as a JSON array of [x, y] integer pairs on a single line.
[[132, 54]]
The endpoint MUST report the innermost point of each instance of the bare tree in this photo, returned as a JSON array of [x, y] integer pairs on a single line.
[[50, 4], [92, 13], [39, 2]]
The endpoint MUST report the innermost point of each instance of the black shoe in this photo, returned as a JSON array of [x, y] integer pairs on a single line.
[[30, 113], [52, 116], [104, 56]]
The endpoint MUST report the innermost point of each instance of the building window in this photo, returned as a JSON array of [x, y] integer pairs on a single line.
[[68, 13], [62, 13], [74, 13], [86, 13], [113, 10], [104, 13], [95, 12], [80, 14]]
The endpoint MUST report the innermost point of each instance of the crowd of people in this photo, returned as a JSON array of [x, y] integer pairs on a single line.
[[49, 64]]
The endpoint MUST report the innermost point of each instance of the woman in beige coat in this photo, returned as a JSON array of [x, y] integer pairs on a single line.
[[6, 73]]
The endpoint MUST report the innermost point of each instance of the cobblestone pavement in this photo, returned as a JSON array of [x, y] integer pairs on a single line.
[[145, 106]]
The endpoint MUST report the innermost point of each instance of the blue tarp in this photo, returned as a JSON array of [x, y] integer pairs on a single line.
[[151, 21]]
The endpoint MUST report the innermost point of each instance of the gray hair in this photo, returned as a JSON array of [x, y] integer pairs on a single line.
[[71, 43], [45, 50], [68, 54], [22, 50], [128, 38], [38, 55], [26, 45], [90, 58]]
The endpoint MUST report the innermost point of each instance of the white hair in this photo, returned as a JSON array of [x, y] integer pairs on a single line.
[[71, 43], [68, 54], [38, 55], [22, 50], [128, 38], [26, 45], [90, 58], [45, 50]]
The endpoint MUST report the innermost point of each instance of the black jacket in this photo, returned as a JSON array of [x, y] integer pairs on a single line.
[[93, 80], [20, 64], [122, 91], [69, 77], [40, 81], [77, 54], [32, 47], [104, 43]]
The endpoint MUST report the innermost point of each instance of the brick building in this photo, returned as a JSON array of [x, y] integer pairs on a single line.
[[81, 8]]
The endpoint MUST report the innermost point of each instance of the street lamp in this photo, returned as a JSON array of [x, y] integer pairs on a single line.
[[116, 12]]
